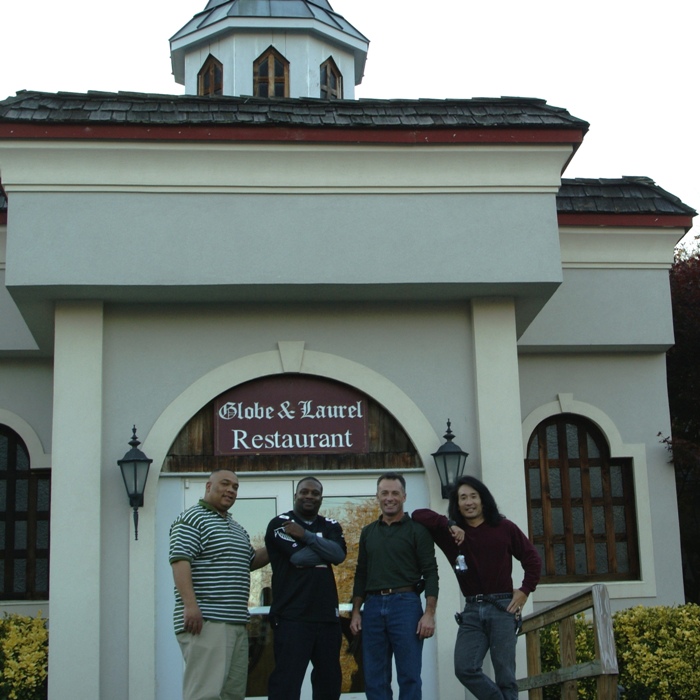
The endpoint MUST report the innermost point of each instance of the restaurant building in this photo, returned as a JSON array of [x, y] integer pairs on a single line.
[[267, 274]]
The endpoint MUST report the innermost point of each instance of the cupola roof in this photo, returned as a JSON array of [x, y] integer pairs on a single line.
[[224, 16]]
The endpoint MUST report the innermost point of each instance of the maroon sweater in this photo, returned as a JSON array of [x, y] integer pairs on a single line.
[[489, 553]]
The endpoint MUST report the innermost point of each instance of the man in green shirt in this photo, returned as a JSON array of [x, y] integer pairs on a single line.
[[395, 554]]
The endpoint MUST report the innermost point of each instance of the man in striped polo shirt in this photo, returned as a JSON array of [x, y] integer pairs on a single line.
[[211, 557]]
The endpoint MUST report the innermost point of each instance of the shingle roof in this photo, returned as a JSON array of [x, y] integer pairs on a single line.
[[625, 195], [137, 108]]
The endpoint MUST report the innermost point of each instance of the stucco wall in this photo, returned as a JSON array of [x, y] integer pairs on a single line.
[[234, 240], [616, 309], [26, 389], [14, 334]]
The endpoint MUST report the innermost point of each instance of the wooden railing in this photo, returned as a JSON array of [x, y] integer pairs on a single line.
[[604, 665]]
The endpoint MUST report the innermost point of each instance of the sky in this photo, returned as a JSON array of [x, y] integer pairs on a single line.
[[629, 68]]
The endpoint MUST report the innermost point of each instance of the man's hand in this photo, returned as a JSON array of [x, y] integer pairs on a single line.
[[294, 530], [518, 601], [426, 625], [193, 618], [457, 534], [356, 616], [356, 622]]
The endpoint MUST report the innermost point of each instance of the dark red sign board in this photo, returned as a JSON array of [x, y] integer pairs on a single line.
[[291, 415]]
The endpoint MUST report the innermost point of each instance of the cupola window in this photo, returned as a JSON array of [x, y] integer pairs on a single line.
[[271, 75], [210, 79], [331, 81]]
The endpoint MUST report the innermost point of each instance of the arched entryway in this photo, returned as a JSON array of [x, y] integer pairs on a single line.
[[274, 486]]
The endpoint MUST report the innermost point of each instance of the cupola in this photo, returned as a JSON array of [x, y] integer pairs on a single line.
[[269, 48]]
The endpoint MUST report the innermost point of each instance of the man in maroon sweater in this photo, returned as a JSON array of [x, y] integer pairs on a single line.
[[480, 543]]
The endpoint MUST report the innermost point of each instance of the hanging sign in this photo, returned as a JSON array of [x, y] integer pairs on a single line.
[[291, 415]]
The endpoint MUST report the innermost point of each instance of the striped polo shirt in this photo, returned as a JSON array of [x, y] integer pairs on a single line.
[[220, 553]]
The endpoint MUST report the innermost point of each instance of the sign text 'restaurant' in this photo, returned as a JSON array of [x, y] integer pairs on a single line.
[[300, 414]]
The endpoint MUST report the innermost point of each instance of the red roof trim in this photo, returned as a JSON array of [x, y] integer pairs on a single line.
[[194, 132], [626, 220]]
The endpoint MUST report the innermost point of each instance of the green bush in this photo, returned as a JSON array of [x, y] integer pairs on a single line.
[[23, 658], [585, 651], [658, 649]]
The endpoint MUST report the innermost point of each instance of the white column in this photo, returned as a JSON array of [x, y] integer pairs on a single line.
[[74, 655], [499, 419], [498, 404], [142, 602]]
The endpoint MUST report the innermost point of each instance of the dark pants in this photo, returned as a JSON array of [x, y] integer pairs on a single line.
[[297, 643], [486, 627]]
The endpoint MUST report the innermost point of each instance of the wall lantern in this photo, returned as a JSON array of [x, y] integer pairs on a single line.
[[449, 460], [134, 466]]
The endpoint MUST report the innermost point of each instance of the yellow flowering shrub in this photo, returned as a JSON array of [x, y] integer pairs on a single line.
[[658, 653], [23, 658]]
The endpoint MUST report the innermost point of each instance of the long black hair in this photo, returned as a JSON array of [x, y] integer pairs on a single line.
[[488, 502]]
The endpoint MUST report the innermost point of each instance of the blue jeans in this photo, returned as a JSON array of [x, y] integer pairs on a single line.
[[389, 624], [484, 627]]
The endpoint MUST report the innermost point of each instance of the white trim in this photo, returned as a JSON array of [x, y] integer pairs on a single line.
[[613, 247], [646, 586], [142, 555], [38, 459], [28, 608], [89, 166], [318, 188]]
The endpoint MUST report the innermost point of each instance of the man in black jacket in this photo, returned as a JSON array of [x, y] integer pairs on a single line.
[[303, 546]]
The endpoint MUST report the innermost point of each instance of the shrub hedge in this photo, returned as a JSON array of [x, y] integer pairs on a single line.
[[24, 645], [658, 653]]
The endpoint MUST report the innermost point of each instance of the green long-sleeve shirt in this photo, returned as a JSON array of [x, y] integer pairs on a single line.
[[393, 556]]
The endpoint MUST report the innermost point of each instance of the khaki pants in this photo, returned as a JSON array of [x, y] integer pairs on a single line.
[[216, 662]]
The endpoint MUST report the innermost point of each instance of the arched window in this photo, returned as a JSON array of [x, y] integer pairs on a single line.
[[331, 81], [387, 447], [210, 79], [25, 496], [581, 503], [271, 75]]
